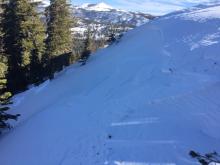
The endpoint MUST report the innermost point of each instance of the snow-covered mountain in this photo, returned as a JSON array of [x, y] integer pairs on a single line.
[[97, 7], [149, 99], [103, 18], [105, 14]]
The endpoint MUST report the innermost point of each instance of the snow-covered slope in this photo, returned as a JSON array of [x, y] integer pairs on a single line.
[[147, 100]]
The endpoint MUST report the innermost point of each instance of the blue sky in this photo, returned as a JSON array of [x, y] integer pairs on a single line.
[[157, 7]]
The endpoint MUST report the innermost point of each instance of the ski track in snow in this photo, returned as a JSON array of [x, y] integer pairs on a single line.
[[147, 100]]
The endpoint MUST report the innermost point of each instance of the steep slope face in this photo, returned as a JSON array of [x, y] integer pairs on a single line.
[[149, 99]]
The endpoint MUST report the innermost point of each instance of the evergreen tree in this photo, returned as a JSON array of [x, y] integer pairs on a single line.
[[4, 95], [15, 77], [4, 101], [36, 68], [1, 30], [111, 38], [59, 24], [24, 33], [87, 48], [37, 49], [111, 35], [3, 59]]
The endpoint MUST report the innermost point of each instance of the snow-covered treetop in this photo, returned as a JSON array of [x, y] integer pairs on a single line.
[[44, 2]]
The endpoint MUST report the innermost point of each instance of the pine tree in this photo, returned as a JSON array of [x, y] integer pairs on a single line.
[[59, 23], [37, 49], [36, 68], [4, 102], [111, 35], [3, 59], [87, 47], [24, 33], [1, 30], [4, 95], [11, 29]]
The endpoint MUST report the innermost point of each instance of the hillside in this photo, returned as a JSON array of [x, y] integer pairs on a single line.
[[149, 99]]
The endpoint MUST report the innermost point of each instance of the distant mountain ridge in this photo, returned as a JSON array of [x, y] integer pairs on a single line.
[[104, 13], [102, 20], [105, 19], [97, 7]]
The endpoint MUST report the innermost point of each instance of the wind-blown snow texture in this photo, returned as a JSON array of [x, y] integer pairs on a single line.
[[147, 100]]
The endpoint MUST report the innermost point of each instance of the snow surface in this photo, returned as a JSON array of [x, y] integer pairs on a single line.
[[147, 100], [203, 14]]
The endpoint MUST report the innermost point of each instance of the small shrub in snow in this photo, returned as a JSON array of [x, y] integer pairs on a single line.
[[4, 116], [212, 158]]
